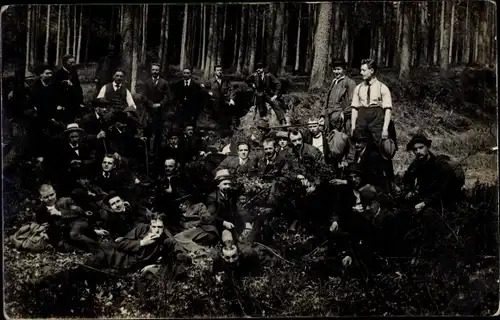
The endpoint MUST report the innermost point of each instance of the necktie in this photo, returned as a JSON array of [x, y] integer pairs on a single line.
[[368, 95], [186, 83], [155, 80], [117, 87], [106, 175]]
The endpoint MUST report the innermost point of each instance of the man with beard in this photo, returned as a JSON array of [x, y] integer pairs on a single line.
[[222, 95], [188, 95], [104, 72], [158, 95], [221, 203], [192, 142], [338, 99], [97, 126], [267, 90], [115, 94], [242, 164], [431, 181], [69, 93], [174, 148]]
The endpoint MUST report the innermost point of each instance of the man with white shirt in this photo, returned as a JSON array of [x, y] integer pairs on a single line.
[[189, 97], [241, 164], [116, 94], [222, 96], [110, 178]]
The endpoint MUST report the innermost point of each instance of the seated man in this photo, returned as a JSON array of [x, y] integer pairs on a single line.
[[198, 226], [221, 203], [174, 148], [67, 225], [112, 178], [242, 164], [117, 216]]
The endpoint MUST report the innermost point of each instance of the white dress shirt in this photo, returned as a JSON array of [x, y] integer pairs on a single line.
[[130, 100]]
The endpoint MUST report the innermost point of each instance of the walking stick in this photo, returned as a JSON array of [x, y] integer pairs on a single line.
[[147, 157], [105, 148]]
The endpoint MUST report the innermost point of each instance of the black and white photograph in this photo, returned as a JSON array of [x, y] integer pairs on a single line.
[[250, 160]]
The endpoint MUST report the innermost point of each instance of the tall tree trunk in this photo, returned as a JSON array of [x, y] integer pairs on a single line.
[[222, 43], [483, 34], [444, 57], [63, 34], [310, 38], [200, 39], [239, 65], [135, 46], [399, 18], [466, 45], [237, 40], [128, 42], [87, 38], [252, 33], [74, 30], [380, 39], [28, 38], [345, 38], [404, 68], [183, 41], [414, 49], [210, 42], [262, 55], [452, 25], [277, 39], [122, 18], [424, 33], [297, 47], [34, 35], [216, 59], [144, 42], [111, 26], [58, 38], [336, 49], [271, 19], [68, 29], [441, 27], [47, 35], [79, 41], [162, 33], [437, 33], [284, 45], [318, 73], [204, 36], [164, 58]]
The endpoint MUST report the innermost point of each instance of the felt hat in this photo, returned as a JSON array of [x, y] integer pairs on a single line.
[[260, 65], [368, 194], [387, 148], [72, 127], [222, 175], [360, 134], [355, 168], [418, 138], [339, 63]]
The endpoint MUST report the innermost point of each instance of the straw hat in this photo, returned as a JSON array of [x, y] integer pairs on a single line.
[[72, 127], [222, 175]]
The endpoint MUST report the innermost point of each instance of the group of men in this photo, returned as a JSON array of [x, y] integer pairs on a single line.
[[103, 189]]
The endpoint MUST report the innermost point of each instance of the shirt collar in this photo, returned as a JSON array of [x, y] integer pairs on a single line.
[[338, 80], [320, 135], [243, 161], [97, 116], [115, 85], [66, 70], [156, 79], [43, 83], [72, 146], [372, 81]]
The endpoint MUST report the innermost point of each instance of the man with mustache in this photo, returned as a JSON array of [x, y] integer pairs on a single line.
[[242, 164], [188, 95], [115, 94], [69, 93]]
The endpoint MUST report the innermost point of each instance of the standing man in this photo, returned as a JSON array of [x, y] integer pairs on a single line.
[[104, 72], [189, 98], [115, 94], [336, 110], [157, 93], [267, 89], [222, 95], [69, 93], [372, 109]]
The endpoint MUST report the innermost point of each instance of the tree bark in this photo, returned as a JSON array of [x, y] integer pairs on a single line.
[[284, 45], [310, 38], [74, 29], [277, 39], [128, 39], [58, 38], [111, 26], [162, 33], [183, 39], [87, 39], [63, 33], [424, 33], [483, 34], [452, 25], [404, 67], [380, 39], [441, 26], [239, 64], [399, 18], [237, 40], [79, 41], [414, 35], [34, 35], [28, 38], [297, 47], [122, 18], [68, 29], [47, 35], [204, 32], [135, 46], [215, 52], [222, 44], [466, 45], [252, 33], [211, 32], [318, 73], [262, 55], [144, 42], [444, 57], [165, 61], [271, 19]]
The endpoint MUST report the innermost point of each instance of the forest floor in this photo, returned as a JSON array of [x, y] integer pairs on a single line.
[[440, 281]]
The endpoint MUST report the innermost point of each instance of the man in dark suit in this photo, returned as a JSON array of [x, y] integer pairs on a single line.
[[189, 98], [222, 98], [97, 127], [110, 178], [158, 95], [221, 203], [69, 93], [267, 90], [242, 164]]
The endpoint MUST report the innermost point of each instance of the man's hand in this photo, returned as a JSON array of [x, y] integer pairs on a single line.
[[69, 82], [274, 97], [82, 106], [334, 226], [347, 261], [338, 182], [231, 102], [419, 206], [300, 177], [59, 108], [101, 135], [385, 133], [149, 239], [118, 239], [101, 232], [137, 181], [55, 212], [409, 195], [153, 268], [210, 93], [39, 159], [228, 225], [156, 105], [311, 188]]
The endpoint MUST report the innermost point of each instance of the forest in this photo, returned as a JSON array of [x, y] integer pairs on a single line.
[[439, 60], [290, 37]]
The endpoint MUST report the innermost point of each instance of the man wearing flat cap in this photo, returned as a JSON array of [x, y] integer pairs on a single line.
[[221, 203], [267, 90]]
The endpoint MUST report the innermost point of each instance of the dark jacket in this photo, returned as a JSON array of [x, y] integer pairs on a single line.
[[198, 215], [339, 96], [223, 208], [43, 98], [306, 162], [270, 85], [371, 164], [68, 96], [221, 93], [190, 98], [119, 223], [275, 168], [232, 163], [119, 181], [159, 93], [308, 138]]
